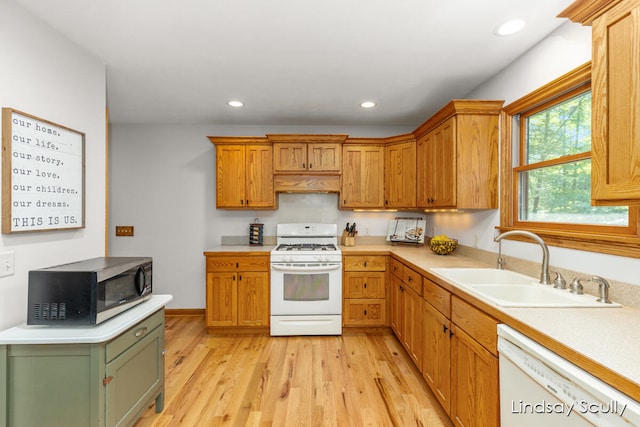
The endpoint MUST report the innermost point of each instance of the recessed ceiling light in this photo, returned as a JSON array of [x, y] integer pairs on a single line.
[[368, 104], [510, 27], [236, 104]]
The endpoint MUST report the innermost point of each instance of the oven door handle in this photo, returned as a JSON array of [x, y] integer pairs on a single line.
[[328, 267]]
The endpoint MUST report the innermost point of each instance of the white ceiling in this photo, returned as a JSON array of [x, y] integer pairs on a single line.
[[294, 62]]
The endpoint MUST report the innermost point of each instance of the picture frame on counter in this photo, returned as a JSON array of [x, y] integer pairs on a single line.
[[43, 174]]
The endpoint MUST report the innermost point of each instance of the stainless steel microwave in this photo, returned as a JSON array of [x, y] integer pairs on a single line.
[[87, 292]]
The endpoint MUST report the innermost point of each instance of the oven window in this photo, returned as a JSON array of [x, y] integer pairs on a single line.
[[306, 287]]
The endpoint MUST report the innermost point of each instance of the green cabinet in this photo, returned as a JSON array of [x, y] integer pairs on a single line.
[[108, 383]]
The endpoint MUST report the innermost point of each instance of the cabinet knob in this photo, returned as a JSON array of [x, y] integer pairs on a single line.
[[310, 166], [365, 285], [365, 312], [140, 332], [365, 263], [444, 328], [303, 166]]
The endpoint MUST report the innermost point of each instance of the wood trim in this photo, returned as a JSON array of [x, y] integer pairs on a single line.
[[305, 183], [219, 140], [365, 141], [586, 11], [459, 107], [237, 330], [317, 138], [399, 139], [184, 312], [557, 87], [106, 184]]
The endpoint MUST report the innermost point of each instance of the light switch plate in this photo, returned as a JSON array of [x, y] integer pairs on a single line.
[[7, 263]]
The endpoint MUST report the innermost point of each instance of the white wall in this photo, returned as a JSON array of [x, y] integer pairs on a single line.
[[565, 49], [47, 76]]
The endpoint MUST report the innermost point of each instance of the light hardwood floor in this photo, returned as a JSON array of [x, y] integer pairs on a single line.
[[357, 379]]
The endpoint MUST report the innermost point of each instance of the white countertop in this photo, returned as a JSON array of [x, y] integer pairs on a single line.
[[43, 334]]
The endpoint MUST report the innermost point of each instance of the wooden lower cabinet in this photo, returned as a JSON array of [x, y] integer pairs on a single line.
[[85, 385], [436, 361], [406, 309], [475, 395], [364, 290], [237, 294]]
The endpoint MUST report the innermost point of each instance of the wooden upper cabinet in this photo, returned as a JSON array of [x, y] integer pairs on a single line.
[[615, 84], [362, 183], [307, 153], [400, 174], [244, 174], [457, 156], [289, 157], [436, 168]]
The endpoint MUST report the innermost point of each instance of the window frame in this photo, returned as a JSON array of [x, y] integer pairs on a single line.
[[624, 241]]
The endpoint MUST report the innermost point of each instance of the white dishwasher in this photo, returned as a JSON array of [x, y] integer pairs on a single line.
[[539, 388]]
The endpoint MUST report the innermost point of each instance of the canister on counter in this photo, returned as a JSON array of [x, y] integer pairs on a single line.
[[256, 233]]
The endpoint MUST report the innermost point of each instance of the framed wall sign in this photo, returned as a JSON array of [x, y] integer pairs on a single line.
[[42, 174]]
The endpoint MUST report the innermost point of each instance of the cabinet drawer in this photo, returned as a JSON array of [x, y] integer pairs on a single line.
[[133, 335], [364, 284], [437, 296], [238, 263], [397, 268], [476, 323], [412, 279], [365, 263], [361, 312]]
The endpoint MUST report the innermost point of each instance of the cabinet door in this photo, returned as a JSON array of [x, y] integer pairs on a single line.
[[442, 155], [222, 299], [362, 177], [397, 307], [364, 312], [436, 357], [259, 177], [364, 284], [324, 157], [424, 183], [253, 299], [400, 175], [412, 321], [135, 377], [230, 176], [289, 157], [615, 84], [474, 383]]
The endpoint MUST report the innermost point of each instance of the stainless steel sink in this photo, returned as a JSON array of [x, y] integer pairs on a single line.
[[510, 289]]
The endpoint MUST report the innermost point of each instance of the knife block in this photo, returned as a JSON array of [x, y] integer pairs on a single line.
[[348, 240]]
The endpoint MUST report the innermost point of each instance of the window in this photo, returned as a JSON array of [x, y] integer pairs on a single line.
[[546, 171]]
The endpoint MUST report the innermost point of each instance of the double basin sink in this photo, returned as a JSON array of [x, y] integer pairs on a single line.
[[510, 289]]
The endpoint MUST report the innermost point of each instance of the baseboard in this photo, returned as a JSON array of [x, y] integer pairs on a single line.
[[184, 312]]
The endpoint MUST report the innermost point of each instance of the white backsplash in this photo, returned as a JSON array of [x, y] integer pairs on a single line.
[[314, 207]]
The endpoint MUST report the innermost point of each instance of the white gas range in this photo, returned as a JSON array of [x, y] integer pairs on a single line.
[[306, 280]]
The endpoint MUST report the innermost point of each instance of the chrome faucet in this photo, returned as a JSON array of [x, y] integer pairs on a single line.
[[544, 274], [604, 289]]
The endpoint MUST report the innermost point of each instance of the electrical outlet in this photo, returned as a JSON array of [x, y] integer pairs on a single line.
[[475, 240], [124, 230], [7, 263]]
